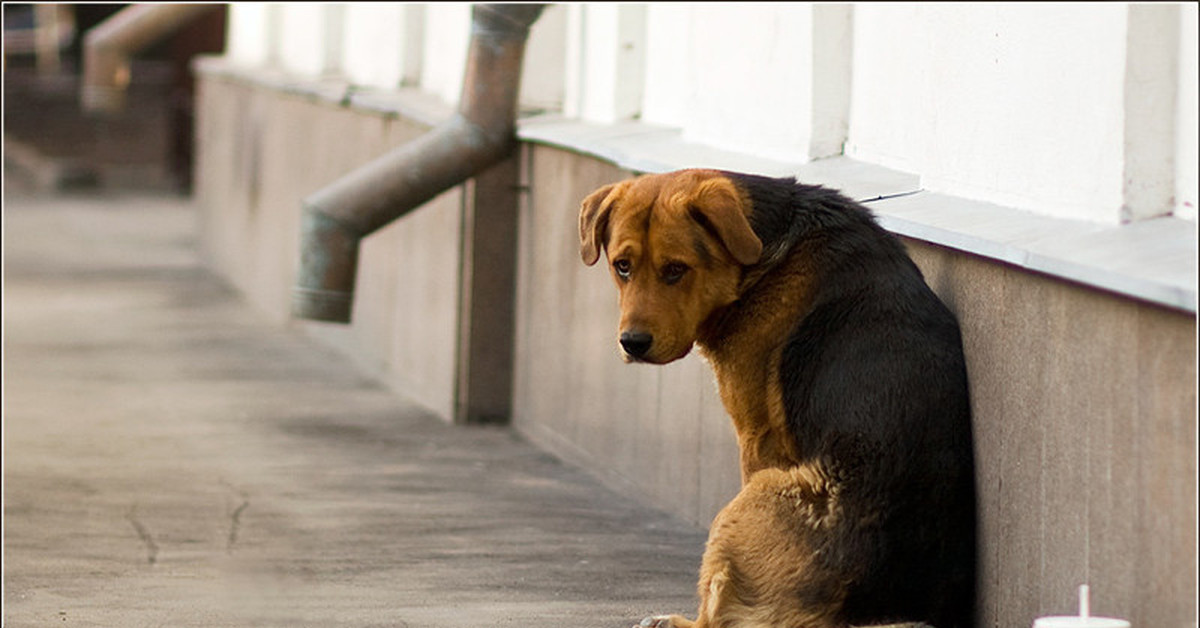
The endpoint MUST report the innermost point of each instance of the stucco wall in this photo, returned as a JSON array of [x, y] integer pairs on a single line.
[[260, 151], [1084, 414], [1075, 110], [1015, 104]]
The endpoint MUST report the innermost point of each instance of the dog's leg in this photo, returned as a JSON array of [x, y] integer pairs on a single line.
[[758, 570], [715, 599]]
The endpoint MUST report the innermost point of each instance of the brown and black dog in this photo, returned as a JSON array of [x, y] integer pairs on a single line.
[[845, 379]]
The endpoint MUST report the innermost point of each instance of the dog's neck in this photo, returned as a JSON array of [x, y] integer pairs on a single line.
[[773, 296], [778, 223], [774, 215], [773, 255], [744, 342]]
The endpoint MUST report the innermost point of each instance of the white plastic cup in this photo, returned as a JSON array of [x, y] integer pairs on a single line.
[[1083, 620], [1079, 622]]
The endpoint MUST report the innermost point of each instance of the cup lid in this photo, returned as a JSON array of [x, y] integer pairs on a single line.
[[1076, 621]]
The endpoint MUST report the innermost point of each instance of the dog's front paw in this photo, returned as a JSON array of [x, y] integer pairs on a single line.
[[664, 621]]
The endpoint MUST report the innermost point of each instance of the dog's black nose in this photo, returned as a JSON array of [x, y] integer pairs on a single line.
[[636, 343]]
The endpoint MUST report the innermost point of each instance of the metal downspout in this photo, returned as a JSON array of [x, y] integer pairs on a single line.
[[109, 46], [479, 135]]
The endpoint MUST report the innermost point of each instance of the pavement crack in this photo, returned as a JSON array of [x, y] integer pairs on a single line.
[[144, 534], [234, 525]]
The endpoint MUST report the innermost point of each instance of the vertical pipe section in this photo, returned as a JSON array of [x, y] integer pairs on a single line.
[[479, 135], [109, 46]]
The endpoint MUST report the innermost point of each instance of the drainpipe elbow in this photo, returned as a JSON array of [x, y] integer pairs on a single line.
[[109, 47], [324, 289], [106, 77], [478, 136]]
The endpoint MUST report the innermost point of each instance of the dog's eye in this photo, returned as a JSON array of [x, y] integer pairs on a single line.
[[622, 267], [673, 272]]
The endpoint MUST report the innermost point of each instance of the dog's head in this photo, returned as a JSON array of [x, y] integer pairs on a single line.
[[676, 244]]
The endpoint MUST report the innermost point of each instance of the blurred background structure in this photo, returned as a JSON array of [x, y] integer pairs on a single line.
[[147, 145], [1040, 161]]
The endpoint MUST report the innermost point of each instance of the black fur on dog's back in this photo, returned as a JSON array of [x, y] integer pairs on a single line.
[[874, 386]]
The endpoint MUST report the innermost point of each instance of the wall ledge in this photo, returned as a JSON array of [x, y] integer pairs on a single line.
[[408, 103], [1153, 260]]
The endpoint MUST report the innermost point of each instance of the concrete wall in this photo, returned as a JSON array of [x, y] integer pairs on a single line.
[[1085, 427], [260, 152]]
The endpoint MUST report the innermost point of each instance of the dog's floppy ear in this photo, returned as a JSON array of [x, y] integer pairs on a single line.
[[593, 220], [718, 203]]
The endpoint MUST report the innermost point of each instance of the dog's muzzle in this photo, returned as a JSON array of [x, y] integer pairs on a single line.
[[636, 344]]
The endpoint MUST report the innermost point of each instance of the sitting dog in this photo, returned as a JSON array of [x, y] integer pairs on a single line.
[[845, 379]]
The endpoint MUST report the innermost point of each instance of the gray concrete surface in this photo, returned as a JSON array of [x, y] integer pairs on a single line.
[[170, 459]]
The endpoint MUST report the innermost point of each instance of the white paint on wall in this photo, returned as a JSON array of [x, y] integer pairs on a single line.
[[303, 38], [733, 76], [544, 68], [573, 60], [1016, 104], [247, 40], [1035, 106], [832, 67], [373, 50], [609, 59], [447, 34], [1187, 164], [598, 63], [1151, 90], [667, 63]]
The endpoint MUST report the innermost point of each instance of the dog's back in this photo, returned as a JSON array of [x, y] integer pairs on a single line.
[[874, 387]]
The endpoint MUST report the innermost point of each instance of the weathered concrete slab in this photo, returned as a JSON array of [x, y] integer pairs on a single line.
[[171, 459]]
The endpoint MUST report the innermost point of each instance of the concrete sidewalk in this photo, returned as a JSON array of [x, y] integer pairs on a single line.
[[172, 460]]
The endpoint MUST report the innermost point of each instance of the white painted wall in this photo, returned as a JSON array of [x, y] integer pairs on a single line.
[[605, 54], [248, 38], [543, 74], [447, 32], [1054, 108], [1187, 164], [373, 46], [1015, 104], [303, 38], [734, 76]]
